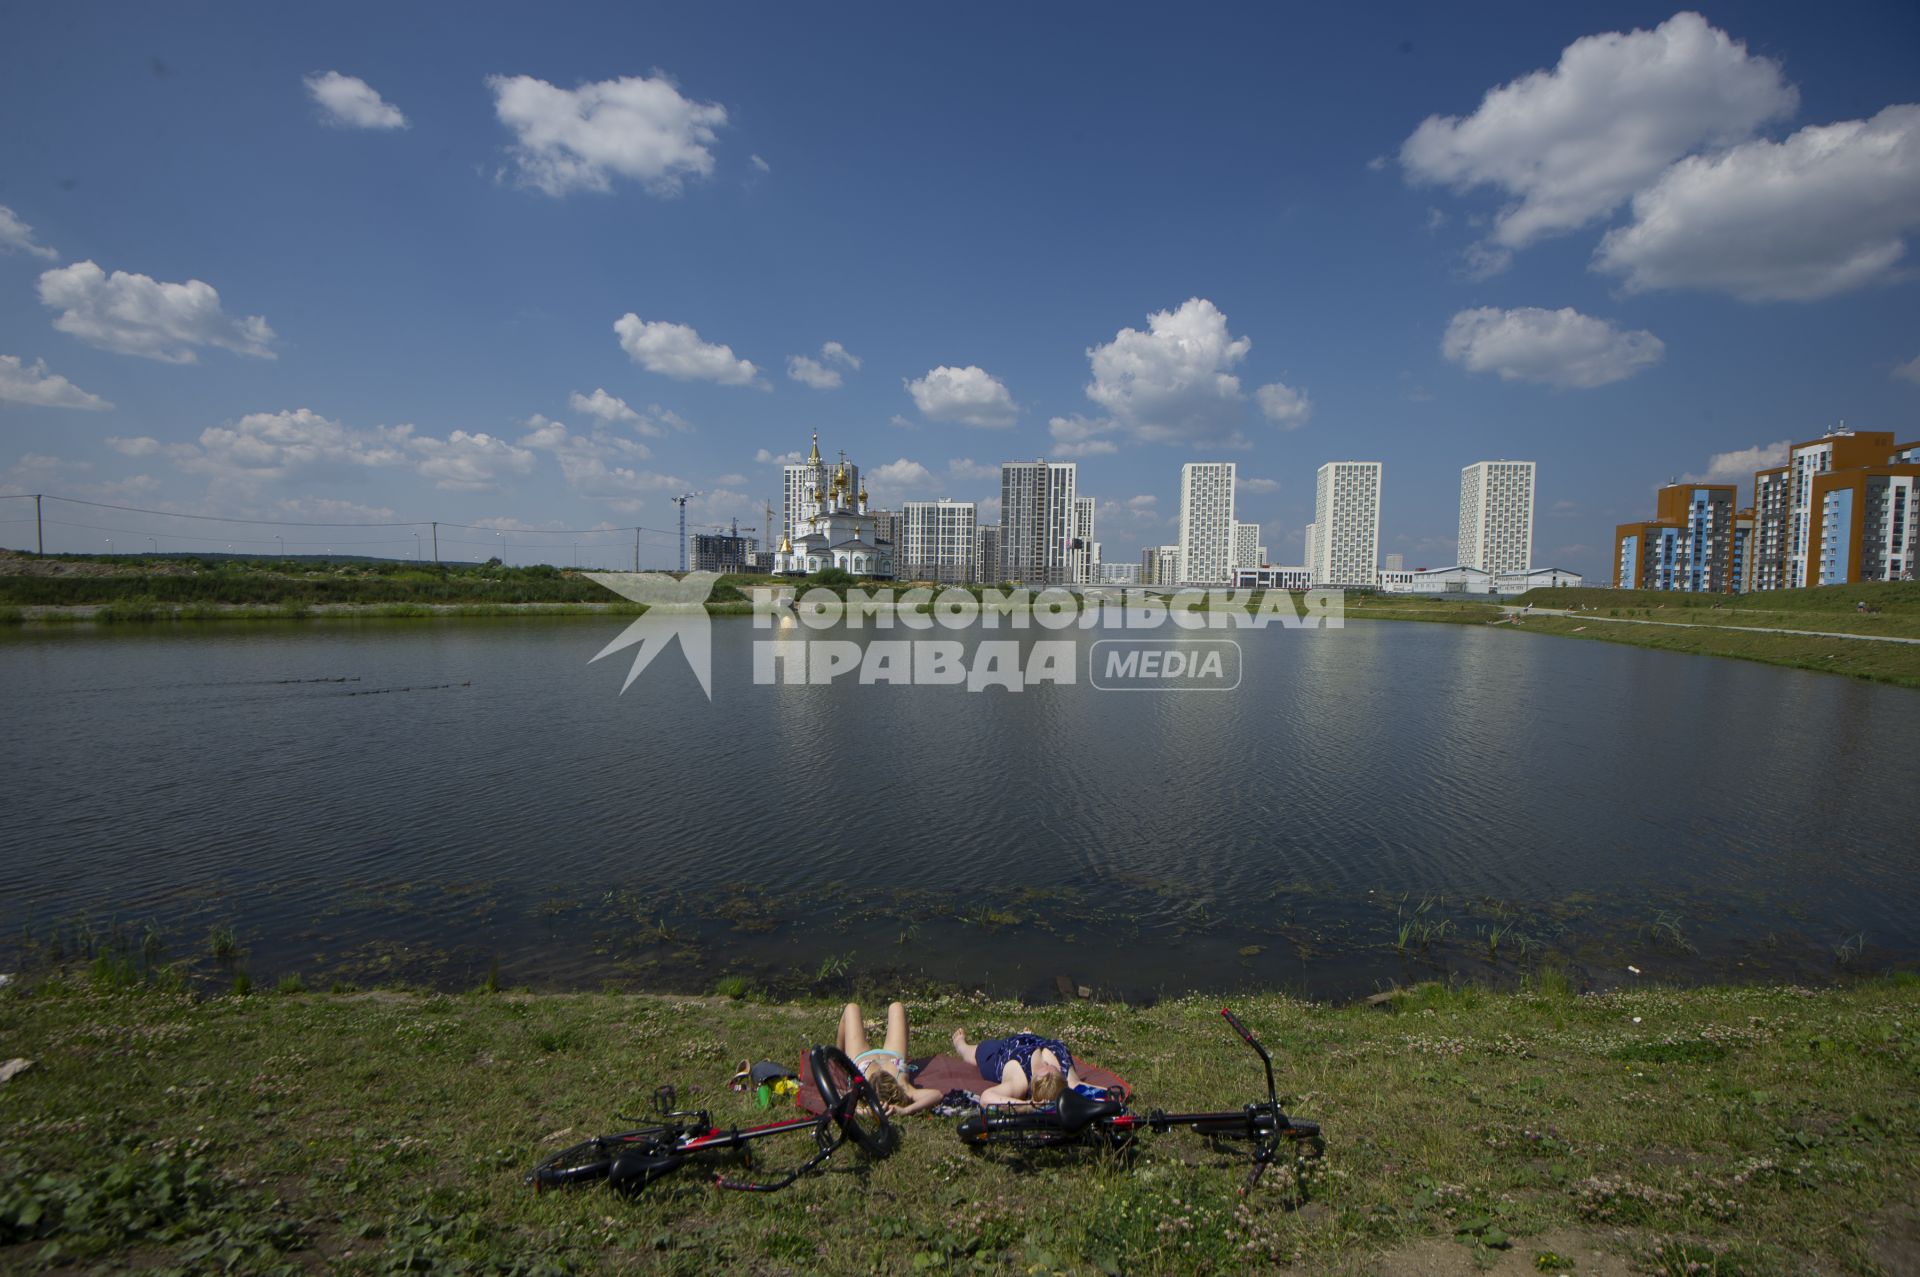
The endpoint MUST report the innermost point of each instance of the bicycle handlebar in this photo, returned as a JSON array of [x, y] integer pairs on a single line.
[[1273, 1096]]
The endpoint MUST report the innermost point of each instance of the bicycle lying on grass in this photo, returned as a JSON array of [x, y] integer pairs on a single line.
[[1108, 1123], [632, 1160]]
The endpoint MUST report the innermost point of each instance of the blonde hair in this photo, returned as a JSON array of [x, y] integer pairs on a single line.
[[889, 1089], [1049, 1087]]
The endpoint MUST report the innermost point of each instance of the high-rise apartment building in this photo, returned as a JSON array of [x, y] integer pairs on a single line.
[[986, 554], [1496, 516], [888, 527], [1247, 550], [724, 552], [1206, 523], [1036, 521], [1346, 523], [1084, 552], [938, 542], [1839, 510], [1166, 565], [1689, 544]]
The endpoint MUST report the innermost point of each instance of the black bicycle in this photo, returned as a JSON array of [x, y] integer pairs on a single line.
[[632, 1160], [1109, 1123]]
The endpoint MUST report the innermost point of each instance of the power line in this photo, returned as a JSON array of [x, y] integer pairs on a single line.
[[308, 523], [216, 518], [175, 536]]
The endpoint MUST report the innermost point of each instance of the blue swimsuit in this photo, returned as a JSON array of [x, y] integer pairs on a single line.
[[992, 1055]]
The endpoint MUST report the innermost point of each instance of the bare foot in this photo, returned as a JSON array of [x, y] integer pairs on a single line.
[[960, 1040]]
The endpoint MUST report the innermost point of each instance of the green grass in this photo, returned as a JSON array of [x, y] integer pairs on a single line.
[[1897, 663], [1893, 607], [1753, 1130]]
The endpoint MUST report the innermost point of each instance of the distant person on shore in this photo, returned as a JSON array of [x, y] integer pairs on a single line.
[[1024, 1069], [885, 1066]]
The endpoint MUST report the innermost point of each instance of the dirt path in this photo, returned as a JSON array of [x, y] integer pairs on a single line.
[[1697, 625]]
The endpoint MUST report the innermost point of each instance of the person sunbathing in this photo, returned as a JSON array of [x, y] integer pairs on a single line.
[[1024, 1069], [885, 1066]]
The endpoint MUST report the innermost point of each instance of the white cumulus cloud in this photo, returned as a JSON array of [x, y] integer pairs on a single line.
[[966, 468], [1244, 483], [34, 384], [822, 373], [17, 237], [1738, 466], [1283, 405], [581, 139], [612, 408], [464, 462], [265, 446], [1077, 436], [675, 350], [139, 315], [1572, 144], [351, 102], [137, 446], [902, 477], [1824, 212], [766, 458], [1909, 371], [1171, 384], [1552, 347], [971, 396]]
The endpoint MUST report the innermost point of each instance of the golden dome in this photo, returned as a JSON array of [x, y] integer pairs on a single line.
[[814, 457]]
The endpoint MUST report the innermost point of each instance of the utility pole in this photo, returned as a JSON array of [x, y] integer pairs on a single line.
[[636, 549], [681, 501], [39, 534], [436, 541]]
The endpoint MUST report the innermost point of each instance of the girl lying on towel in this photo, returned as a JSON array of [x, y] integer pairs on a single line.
[[885, 1066], [1024, 1069]]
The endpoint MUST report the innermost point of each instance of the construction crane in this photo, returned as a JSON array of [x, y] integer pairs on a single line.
[[681, 501]]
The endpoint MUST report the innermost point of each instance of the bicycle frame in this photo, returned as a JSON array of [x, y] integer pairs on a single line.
[[1263, 1122], [632, 1160]]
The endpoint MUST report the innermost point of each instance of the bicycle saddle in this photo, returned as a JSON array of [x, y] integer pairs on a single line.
[[1077, 1112]]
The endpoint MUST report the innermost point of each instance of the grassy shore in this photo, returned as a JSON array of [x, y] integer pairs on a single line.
[[1756, 1131], [1897, 663]]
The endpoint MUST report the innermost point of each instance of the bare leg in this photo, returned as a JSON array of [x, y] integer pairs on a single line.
[[896, 1039], [963, 1048], [853, 1030]]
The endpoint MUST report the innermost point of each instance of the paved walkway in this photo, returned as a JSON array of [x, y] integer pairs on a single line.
[[1697, 625]]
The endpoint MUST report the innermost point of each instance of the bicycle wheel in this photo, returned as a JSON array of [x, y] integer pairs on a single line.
[[590, 1160], [1015, 1130], [851, 1101]]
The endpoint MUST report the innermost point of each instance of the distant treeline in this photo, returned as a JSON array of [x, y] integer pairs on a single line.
[[270, 584]]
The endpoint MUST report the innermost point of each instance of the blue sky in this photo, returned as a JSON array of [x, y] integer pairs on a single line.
[[1622, 246]]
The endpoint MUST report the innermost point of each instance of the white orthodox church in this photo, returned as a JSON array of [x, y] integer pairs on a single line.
[[827, 522]]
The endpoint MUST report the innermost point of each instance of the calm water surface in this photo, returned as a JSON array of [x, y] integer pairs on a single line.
[[475, 793]]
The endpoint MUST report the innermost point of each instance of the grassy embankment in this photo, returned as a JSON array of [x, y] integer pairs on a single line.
[[1753, 1131], [1733, 626], [130, 590]]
